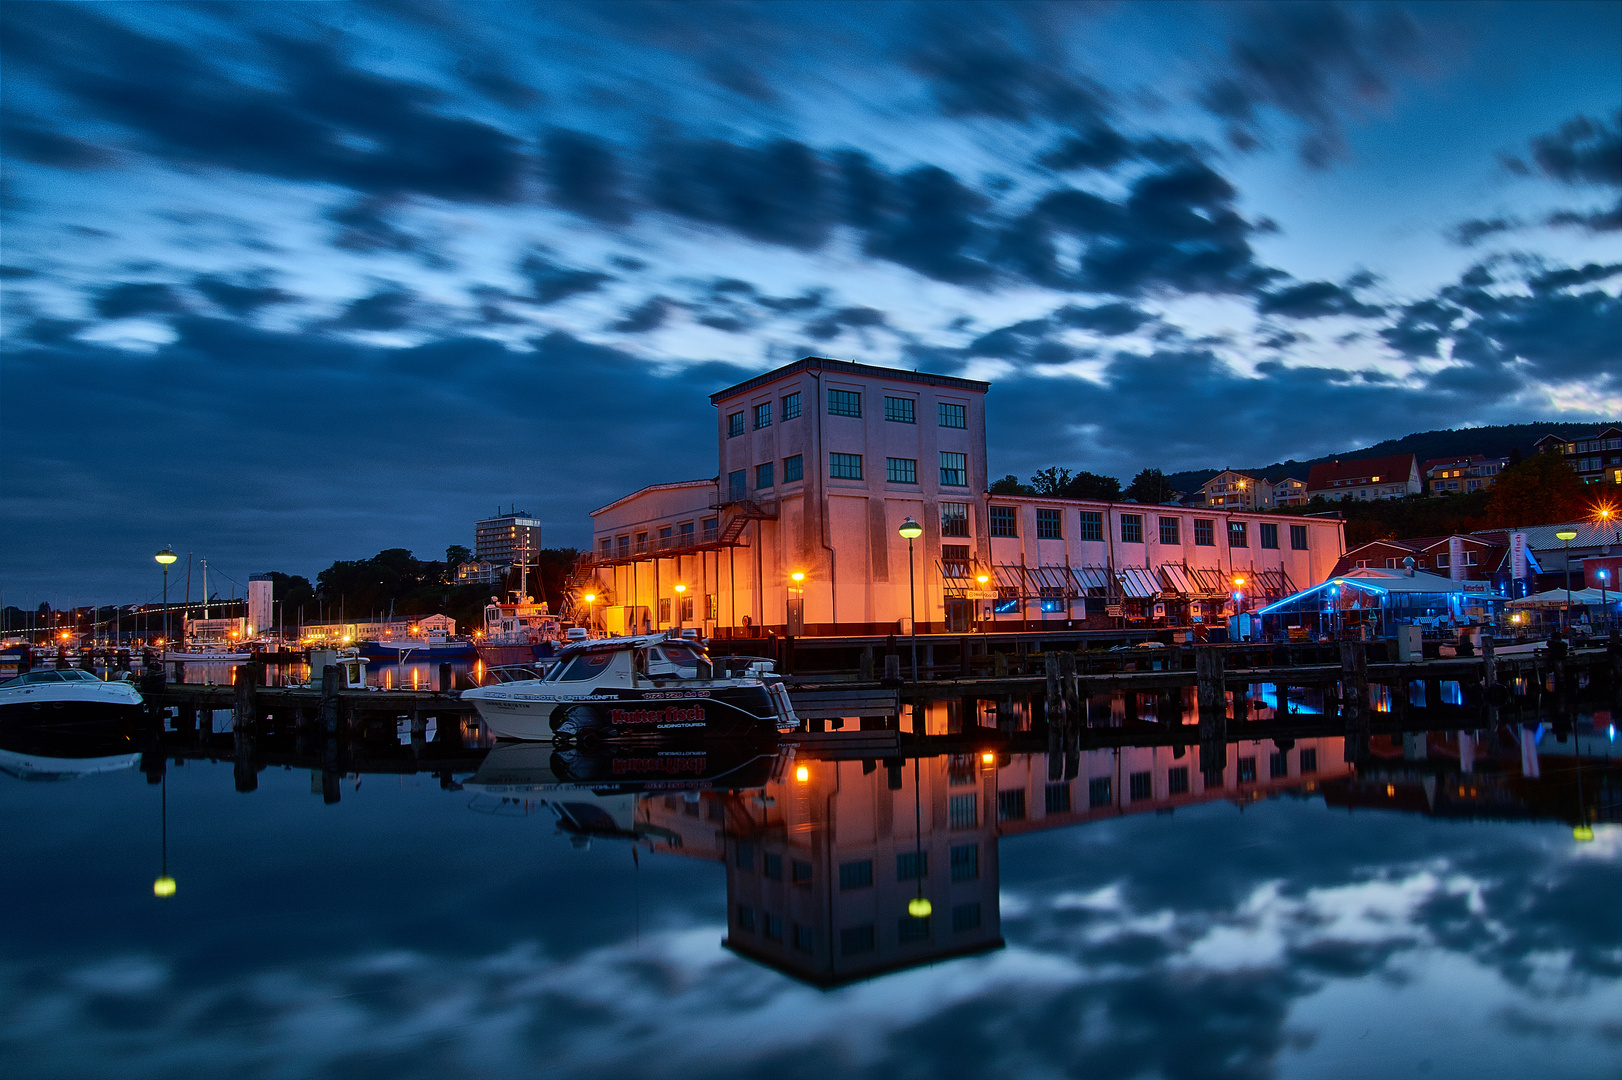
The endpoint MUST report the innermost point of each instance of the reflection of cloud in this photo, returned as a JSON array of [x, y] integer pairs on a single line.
[[1606, 845]]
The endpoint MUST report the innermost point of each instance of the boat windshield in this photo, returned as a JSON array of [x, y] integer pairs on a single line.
[[582, 667], [41, 676]]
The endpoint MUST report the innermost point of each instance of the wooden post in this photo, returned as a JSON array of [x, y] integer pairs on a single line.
[[329, 699], [892, 669], [999, 665], [1489, 661], [1208, 674], [1055, 698], [866, 674], [1070, 687], [447, 678], [1354, 697], [963, 656], [243, 770]]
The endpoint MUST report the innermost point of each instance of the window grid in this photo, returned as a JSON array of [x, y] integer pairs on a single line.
[[1011, 805], [791, 406], [963, 811], [856, 875], [1170, 531], [1298, 538], [1267, 534], [966, 862], [954, 519], [1131, 528], [845, 466], [954, 469], [1049, 524], [763, 415], [911, 865], [1098, 793], [1004, 521], [793, 469], [900, 470], [1092, 526], [1140, 786], [965, 917], [763, 475], [1058, 798], [1177, 780], [1238, 534], [900, 410], [953, 416], [844, 403], [735, 425], [1204, 532]]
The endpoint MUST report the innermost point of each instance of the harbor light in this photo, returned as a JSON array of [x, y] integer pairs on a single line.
[[982, 579], [166, 557], [987, 758], [919, 908], [163, 887], [802, 774], [797, 577], [681, 588], [591, 598], [910, 529]]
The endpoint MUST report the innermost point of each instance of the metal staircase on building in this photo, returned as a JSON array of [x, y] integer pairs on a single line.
[[583, 571], [743, 512]]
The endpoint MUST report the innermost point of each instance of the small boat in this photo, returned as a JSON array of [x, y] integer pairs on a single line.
[[434, 645], [205, 655], [637, 687], [517, 634], [67, 695]]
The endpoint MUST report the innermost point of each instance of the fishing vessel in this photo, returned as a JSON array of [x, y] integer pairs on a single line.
[[67, 695], [638, 687], [517, 633]]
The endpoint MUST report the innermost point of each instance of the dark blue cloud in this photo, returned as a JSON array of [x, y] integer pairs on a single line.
[[137, 298], [1316, 300], [550, 282]]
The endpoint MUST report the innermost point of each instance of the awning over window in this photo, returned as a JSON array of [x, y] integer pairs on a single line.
[[1138, 582]]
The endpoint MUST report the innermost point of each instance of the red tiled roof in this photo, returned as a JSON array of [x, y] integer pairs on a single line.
[[1393, 468]]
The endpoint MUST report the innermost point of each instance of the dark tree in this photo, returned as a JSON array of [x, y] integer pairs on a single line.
[[1086, 485], [456, 555], [1151, 486], [1010, 485], [1051, 481]]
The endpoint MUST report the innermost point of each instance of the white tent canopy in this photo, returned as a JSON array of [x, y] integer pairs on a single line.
[[1556, 598]]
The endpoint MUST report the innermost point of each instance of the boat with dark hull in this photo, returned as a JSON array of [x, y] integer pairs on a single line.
[[638, 687], [67, 695]]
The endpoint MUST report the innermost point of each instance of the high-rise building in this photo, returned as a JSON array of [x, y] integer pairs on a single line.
[[512, 539], [261, 610]]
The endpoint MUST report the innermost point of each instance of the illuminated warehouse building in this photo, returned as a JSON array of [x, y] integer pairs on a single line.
[[821, 463]]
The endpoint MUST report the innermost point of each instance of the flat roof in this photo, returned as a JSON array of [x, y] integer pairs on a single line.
[[674, 485], [845, 367]]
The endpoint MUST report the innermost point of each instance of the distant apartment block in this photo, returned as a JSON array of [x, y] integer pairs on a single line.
[[1230, 490], [507, 540], [1461, 475], [1389, 477], [1597, 459]]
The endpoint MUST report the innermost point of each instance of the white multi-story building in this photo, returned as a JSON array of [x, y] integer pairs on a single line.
[[821, 462]]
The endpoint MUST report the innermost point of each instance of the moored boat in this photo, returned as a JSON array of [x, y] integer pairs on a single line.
[[637, 687], [67, 695]]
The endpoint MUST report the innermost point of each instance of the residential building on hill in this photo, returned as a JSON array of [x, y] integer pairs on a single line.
[[1236, 491], [1461, 475], [1288, 491], [1389, 477], [1597, 459]]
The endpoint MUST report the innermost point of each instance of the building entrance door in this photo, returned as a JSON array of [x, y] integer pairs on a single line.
[[959, 616]]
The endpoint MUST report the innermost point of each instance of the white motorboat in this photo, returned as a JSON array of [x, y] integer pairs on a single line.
[[631, 687], [66, 695]]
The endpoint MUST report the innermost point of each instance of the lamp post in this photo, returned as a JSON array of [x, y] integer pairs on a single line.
[[165, 557], [591, 621], [681, 594], [1238, 604], [1604, 605], [1566, 536], [912, 531]]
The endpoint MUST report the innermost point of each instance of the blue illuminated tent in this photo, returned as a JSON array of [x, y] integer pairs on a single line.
[[1370, 602]]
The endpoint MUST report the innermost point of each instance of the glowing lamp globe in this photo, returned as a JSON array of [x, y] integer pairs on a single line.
[[681, 588], [802, 774], [987, 758], [919, 908], [798, 575], [164, 887], [1566, 534], [166, 556], [591, 598], [910, 529]]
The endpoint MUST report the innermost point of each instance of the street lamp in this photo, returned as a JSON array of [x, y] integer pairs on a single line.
[[1604, 605], [912, 531], [680, 591], [1238, 603], [590, 599], [1566, 536], [165, 557]]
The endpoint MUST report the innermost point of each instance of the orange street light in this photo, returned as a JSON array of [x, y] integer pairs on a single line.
[[797, 577]]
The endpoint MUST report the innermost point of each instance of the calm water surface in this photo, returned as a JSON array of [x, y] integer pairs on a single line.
[[717, 915]]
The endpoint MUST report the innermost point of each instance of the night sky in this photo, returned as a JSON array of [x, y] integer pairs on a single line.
[[289, 283]]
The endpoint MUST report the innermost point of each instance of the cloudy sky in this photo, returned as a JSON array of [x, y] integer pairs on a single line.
[[287, 283]]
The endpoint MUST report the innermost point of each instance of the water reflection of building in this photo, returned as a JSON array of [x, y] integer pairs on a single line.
[[822, 863]]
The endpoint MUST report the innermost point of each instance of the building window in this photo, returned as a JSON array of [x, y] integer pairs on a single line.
[[911, 865], [624, 546], [801, 872], [954, 519], [856, 875], [1177, 780], [963, 811], [1131, 528], [1170, 533], [845, 466], [735, 425], [744, 857], [1011, 805], [746, 917], [844, 403], [774, 926], [1204, 532], [686, 609], [805, 937], [1309, 760], [911, 929], [641, 543], [1092, 525], [712, 606], [900, 470], [954, 469], [737, 485], [966, 862], [1058, 798], [664, 609], [1278, 765], [1238, 534], [1098, 792], [900, 410], [1267, 534], [965, 917], [1049, 525], [763, 415], [711, 525], [772, 866], [856, 940], [793, 469], [607, 546], [953, 415], [1140, 786], [763, 475], [791, 406], [955, 560], [1247, 770], [1004, 521]]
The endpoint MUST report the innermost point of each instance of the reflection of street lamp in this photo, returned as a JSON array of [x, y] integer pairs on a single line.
[[912, 531], [164, 886], [1566, 536], [165, 557], [918, 907]]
